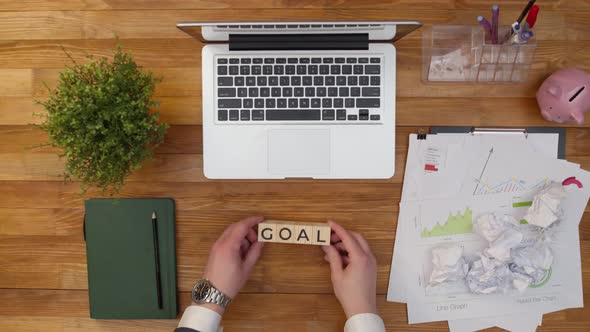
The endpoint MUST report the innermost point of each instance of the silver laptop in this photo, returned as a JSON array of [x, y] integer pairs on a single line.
[[299, 99]]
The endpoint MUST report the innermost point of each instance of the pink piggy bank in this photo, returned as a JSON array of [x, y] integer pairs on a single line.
[[565, 96]]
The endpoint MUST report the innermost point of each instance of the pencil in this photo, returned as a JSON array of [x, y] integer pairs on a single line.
[[157, 259]]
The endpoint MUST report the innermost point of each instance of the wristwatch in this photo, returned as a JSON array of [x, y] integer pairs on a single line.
[[205, 292]]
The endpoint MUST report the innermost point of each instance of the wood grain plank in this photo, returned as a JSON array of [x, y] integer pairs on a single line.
[[162, 23]]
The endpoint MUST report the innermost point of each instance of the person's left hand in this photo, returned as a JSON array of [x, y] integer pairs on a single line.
[[233, 256]]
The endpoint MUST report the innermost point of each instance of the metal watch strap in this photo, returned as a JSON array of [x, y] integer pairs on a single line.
[[217, 297]]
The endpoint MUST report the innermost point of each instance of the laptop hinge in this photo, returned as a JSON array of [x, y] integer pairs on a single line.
[[263, 42]]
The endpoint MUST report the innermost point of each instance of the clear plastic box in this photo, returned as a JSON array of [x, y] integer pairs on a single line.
[[463, 53]]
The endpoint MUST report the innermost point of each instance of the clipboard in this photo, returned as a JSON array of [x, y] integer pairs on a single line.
[[503, 131]]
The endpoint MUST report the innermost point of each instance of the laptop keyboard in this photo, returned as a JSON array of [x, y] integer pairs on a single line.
[[326, 89]]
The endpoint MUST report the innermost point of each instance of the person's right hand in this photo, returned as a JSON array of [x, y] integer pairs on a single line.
[[354, 271]]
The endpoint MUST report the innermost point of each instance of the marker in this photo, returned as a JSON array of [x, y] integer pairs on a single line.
[[495, 18], [531, 19], [485, 24]]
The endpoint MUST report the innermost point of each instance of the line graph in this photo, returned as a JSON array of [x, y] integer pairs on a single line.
[[511, 185]]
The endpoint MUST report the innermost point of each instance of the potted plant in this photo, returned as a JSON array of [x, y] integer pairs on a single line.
[[101, 116]]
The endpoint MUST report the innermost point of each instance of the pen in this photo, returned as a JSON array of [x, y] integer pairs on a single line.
[[531, 19], [485, 24], [495, 17], [157, 258], [525, 11]]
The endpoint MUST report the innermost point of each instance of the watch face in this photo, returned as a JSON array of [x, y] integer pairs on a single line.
[[202, 290]]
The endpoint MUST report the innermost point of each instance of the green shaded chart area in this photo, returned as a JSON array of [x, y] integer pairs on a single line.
[[456, 224]]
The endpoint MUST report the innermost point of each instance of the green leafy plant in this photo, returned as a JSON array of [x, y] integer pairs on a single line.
[[100, 116]]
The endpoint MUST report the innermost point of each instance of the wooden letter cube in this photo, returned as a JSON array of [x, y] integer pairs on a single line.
[[267, 232], [303, 234], [321, 235]]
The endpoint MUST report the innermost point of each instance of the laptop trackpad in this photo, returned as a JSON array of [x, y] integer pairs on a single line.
[[299, 152]]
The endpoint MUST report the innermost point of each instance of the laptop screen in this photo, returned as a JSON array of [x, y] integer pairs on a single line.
[[376, 31]]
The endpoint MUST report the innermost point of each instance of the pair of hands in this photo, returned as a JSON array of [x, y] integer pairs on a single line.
[[352, 264]]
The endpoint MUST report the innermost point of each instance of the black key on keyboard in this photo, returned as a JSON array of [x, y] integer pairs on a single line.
[[347, 69], [372, 69], [298, 92], [269, 60], [312, 70], [234, 70], [371, 92], [295, 80], [316, 102], [304, 102], [375, 117], [368, 102], [335, 69], [248, 103], [222, 70], [257, 115], [352, 117], [279, 70], [358, 69], [281, 60], [273, 80], [290, 69], [339, 60], [253, 92], [234, 115], [343, 92], [250, 81], [226, 92], [340, 114], [256, 70], [275, 92], [259, 103], [267, 70], [284, 80], [310, 92], [341, 80], [324, 69], [244, 70], [363, 80], [287, 92], [375, 80], [364, 114], [292, 60], [234, 61], [242, 92], [321, 92], [332, 92], [245, 60], [375, 60], [293, 103], [239, 81], [326, 102], [349, 102], [264, 92], [355, 92], [225, 81], [257, 60], [307, 80], [338, 102], [304, 60], [270, 103], [245, 115], [222, 61], [328, 115], [261, 80], [282, 103], [301, 70], [293, 115], [316, 60], [363, 60], [318, 80], [328, 60], [352, 80], [222, 115], [350, 60], [330, 80]]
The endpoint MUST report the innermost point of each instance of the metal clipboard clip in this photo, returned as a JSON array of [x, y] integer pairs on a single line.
[[507, 131]]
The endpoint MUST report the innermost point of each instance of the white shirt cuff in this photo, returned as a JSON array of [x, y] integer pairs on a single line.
[[364, 323], [200, 319]]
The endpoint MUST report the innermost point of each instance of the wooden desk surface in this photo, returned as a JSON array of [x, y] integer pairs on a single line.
[[42, 254]]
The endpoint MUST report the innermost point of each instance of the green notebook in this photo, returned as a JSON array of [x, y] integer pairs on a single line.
[[122, 282]]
